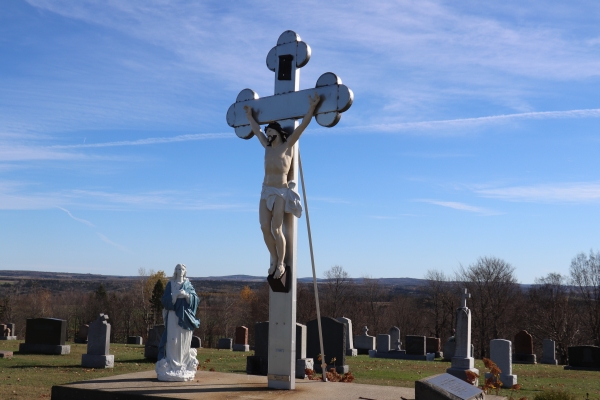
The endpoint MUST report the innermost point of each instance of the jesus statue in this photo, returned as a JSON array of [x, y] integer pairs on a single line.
[[278, 196]]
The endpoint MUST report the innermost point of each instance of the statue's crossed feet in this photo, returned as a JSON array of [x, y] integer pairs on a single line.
[[280, 271]]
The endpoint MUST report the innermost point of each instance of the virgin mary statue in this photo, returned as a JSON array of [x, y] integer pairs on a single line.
[[176, 359]]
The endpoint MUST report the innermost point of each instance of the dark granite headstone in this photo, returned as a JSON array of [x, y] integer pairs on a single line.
[[51, 331], [154, 336], [135, 340], [82, 335], [334, 343], [261, 338], [225, 344], [584, 357], [45, 336], [195, 342], [523, 347], [258, 364], [415, 345], [241, 335]]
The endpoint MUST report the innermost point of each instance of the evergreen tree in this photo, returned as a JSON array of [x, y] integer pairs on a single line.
[[155, 300]]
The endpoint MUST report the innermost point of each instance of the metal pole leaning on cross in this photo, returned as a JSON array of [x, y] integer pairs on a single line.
[[286, 106], [314, 271]]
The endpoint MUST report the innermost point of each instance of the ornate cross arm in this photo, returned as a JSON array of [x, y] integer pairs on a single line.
[[335, 99]]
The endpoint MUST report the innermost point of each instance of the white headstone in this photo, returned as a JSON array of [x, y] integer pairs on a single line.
[[350, 350], [394, 333], [501, 354], [463, 360], [549, 352], [98, 345]]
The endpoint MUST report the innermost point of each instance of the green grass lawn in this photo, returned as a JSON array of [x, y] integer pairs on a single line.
[[32, 376]]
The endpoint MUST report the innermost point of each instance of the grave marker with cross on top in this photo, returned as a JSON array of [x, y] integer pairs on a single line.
[[287, 105]]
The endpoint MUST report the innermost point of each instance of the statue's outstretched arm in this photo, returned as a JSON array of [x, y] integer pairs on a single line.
[[256, 127], [313, 102]]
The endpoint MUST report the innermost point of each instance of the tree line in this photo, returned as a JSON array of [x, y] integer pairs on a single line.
[[562, 308]]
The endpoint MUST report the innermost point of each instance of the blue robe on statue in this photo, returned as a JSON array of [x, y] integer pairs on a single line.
[[185, 312]]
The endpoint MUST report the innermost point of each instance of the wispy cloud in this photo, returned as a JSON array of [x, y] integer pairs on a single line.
[[574, 192], [460, 206], [149, 141], [477, 121], [83, 221], [118, 246]]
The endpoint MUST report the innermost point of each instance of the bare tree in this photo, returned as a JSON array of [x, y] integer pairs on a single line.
[[441, 302], [495, 293], [553, 313], [585, 276], [337, 288]]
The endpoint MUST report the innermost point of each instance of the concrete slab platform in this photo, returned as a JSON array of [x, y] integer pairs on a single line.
[[220, 386]]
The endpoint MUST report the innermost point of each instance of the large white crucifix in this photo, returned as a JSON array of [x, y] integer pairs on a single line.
[[285, 107]]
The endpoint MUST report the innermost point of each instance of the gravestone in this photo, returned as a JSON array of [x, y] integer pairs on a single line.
[[82, 335], [259, 362], [523, 349], [334, 344], [446, 387], [383, 343], [151, 347], [501, 354], [350, 350], [196, 343], [6, 354], [7, 332], [434, 345], [98, 346], [225, 344], [241, 339], [549, 352], [135, 340], [415, 345], [395, 341], [584, 358], [364, 342], [45, 336], [463, 360], [449, 348]]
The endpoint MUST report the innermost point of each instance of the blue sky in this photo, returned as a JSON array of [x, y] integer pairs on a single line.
[[474, 132]]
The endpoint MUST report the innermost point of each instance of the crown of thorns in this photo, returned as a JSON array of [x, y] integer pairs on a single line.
[[275, 126]]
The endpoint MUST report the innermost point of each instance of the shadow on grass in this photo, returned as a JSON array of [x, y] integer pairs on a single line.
[[137, 361], [45, 366]]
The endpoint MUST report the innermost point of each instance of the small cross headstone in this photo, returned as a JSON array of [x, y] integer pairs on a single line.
[[98, 347], [364, 343]]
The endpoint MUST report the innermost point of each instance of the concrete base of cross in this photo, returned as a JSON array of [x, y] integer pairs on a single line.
[[98, 362]]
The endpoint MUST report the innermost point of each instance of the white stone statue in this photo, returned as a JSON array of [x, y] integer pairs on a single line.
[[176, 359], [278, 196]]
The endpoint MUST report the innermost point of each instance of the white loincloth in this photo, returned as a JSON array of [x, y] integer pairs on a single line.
[[288, 194]]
